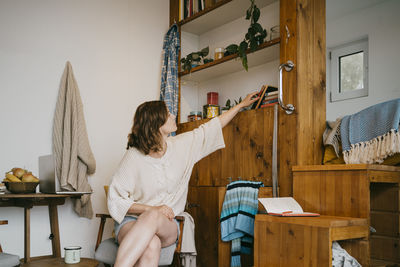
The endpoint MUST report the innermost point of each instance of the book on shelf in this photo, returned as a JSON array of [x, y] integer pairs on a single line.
[[260, 95], [266, 93], [285, 207], [188, 8]]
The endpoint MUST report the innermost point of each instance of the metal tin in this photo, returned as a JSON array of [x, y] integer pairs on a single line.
[[195, 116], [210, 111]]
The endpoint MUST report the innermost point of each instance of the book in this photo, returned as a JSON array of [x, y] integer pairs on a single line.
[[265, 92], [269, 101], [260, 94], [284, 206]]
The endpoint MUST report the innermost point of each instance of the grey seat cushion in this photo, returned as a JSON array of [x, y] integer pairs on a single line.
[[9, 260], [107, 252]]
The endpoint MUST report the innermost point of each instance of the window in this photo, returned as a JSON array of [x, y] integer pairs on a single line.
[[349, 70]]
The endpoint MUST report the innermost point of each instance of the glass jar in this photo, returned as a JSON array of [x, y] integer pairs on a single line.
[[274, 32], [219, 53], [195, 116]]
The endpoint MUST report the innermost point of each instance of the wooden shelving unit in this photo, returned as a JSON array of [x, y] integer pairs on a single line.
[[248, 137], [266, 52], [220, 13]]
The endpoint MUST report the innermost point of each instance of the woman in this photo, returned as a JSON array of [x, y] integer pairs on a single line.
[[151, 184]]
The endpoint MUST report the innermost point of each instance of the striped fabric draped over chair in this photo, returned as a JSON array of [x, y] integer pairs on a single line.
[[237, 217]]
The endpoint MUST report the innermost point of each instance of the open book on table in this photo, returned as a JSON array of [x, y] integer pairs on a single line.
[[284, 206]]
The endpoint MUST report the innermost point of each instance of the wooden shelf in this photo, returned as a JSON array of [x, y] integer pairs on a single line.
[[266, 52], [222, 12], [197, 123]]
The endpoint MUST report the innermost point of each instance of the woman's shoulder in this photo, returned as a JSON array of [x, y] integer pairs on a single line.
[[133, 153]]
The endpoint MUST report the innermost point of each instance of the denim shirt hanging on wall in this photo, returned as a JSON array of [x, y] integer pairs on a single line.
[[169, 72]]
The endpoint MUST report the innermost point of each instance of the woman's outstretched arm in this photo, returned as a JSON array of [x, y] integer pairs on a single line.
[[226, 117]]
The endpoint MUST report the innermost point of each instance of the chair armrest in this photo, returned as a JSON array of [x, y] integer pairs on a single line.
[[181, 221], [102, 215], [103, 218], [180, 218]]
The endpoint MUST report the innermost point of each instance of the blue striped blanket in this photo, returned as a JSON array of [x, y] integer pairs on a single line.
[[372, 134], [237, 217]]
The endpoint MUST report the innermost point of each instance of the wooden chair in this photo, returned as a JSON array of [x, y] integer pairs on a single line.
[[106, 250], [8, 260]]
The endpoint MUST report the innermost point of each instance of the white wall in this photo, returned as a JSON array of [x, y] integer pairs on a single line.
[[381, 22], [115, 50], [235, 85]]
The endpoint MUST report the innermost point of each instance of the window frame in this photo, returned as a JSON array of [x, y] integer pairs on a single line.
[[335, 54]]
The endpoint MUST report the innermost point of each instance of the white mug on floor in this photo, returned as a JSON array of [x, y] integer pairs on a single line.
[[72, 254]]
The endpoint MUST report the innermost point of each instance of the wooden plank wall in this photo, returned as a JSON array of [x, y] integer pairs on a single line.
[[336, 193], [311, 80], [247, 153]]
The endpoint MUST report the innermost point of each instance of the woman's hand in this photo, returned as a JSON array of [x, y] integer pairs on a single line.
[[248, 100], [165, 210], [226, 117]]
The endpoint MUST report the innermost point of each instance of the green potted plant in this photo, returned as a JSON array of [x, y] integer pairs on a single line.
[[254, 37], [193, 59]]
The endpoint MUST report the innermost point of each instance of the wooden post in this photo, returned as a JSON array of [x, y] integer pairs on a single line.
[[55, 241], [27, 236]]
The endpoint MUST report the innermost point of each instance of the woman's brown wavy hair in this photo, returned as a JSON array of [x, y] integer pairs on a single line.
[[145, 134]]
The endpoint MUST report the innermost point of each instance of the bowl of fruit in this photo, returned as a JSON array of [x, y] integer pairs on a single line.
[[20, 181]]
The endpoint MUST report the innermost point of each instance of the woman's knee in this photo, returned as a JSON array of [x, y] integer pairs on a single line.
[[151, 216]]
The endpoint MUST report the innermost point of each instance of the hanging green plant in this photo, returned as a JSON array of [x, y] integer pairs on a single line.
[[194, 58], [254, 37]]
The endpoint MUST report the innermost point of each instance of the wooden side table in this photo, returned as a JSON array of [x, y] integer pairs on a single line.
[[306, 241], [27, 201], [85, 262]]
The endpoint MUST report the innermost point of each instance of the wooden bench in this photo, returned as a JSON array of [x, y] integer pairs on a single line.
[[306, 241]]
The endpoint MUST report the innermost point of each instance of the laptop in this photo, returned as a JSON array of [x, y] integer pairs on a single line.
[[48, 182]]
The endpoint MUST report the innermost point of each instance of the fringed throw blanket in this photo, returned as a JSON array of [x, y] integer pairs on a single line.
[[331, 136], [237, 217], [372, 134]]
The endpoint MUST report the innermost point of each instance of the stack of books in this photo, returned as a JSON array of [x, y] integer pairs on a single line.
[[188, 8], [268, 97]]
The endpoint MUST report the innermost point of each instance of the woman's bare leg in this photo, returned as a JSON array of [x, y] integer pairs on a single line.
[[135, 237], [151, 255]]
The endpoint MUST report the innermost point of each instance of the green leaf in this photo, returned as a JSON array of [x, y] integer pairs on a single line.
[[204, 52], [195, 56], [232, 49], [244, 63], [251, 31], [228, 103], [253, 44], [257, 27], [248, 13], [242, 47], [256, 14]]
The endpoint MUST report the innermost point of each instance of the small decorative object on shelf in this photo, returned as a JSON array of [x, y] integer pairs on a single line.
[[274, 32], [210, 111], [212, 98], [219, 53], [195, 116]]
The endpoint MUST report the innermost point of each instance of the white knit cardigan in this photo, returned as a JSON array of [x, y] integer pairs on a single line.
[[162, 181]]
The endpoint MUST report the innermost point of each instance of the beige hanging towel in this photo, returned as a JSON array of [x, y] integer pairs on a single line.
[[74, 159]]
